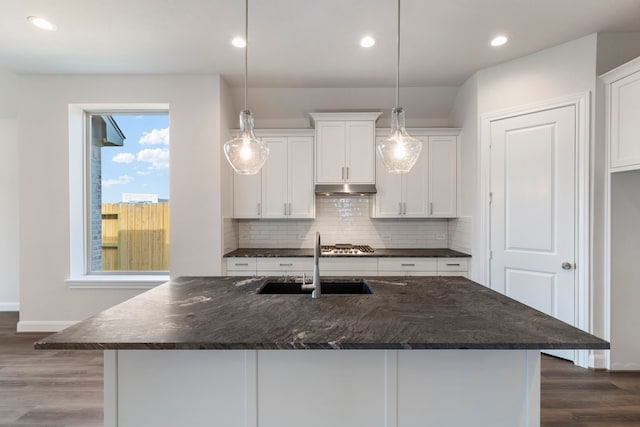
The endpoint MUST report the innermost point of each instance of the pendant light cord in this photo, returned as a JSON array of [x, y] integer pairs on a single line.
[[246, 48], [398, 61]]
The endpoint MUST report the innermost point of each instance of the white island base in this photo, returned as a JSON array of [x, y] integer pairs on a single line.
[[294, 388]]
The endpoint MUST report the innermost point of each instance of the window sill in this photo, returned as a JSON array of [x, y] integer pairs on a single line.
[[128, 281]]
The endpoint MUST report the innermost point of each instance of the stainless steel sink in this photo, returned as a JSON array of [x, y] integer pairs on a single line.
[[329, 286]]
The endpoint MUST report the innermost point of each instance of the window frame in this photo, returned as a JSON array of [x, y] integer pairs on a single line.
[[80, 274]]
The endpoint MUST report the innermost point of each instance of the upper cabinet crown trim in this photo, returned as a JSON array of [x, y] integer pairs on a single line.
[[369, 116], [622, 71]]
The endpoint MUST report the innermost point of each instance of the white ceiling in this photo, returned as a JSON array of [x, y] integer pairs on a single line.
[[296, 43]]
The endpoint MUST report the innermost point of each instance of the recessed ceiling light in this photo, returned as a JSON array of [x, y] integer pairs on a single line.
[[499, 40], [239, 42], [41, 23], [367, 41]]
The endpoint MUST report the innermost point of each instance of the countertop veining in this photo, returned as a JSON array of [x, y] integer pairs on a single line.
[[402, 313]]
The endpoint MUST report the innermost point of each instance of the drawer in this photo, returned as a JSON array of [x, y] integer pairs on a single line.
[[285, 264], [453, 264], [407, 264], [241, 264], [354, 265]]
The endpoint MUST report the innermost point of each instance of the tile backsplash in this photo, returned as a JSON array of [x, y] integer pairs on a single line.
[[344, 220], [459, 230]]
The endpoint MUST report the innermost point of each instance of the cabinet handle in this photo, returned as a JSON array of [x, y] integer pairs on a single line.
[[259, 209], [454, 265], [404, 208], [430, 208], [343, 173], [289, 208], [283, 264], [239, 264], [408, 265], [399, 208], [285, 209], [347, 173]]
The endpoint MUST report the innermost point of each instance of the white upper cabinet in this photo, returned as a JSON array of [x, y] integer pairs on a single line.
[[443, 176], [274, 179], [623, 116], [247, 193], [284, 186], [345, 147], [429, 190], [402, 195]]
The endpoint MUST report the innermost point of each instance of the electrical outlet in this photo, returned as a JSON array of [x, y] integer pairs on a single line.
[[441, 236]]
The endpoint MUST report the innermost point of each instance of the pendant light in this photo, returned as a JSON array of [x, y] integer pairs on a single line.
[[399, 152], [246, 153]]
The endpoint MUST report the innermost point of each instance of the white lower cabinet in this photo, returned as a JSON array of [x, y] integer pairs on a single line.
[[293, 266], [407, 267], [241, 266], [346, 266]]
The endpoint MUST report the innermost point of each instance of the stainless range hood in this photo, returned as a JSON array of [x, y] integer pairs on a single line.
[[345, 189]]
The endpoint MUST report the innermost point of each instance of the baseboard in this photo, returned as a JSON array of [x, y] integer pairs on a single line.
[[9, 306], [597, 359], [44, 325]]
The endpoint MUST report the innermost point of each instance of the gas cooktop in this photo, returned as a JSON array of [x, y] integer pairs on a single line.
[[346, 249]]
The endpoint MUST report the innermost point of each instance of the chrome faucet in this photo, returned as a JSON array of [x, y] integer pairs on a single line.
[[317, 251]]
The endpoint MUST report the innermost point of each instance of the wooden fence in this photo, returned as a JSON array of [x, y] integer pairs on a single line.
[[135, 237]]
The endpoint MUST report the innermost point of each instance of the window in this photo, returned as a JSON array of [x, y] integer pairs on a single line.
[[119, 193], [127, 204]]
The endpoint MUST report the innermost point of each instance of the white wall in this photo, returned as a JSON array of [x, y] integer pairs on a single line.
[[290, 107], [464, 115], [195, 184], [552, 73], [228, 121], [9, 211]]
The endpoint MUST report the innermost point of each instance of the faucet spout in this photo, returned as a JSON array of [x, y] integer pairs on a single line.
[[317, 251]]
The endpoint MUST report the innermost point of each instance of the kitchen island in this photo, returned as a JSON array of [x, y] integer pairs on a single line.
[[441, 351]]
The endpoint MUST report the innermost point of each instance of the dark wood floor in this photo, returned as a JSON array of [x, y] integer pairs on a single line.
[[64, 388]]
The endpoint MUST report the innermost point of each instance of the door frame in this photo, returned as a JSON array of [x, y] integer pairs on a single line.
[[583, 200]]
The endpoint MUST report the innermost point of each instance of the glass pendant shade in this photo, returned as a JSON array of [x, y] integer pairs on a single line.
[[246, 153], [399, 152]]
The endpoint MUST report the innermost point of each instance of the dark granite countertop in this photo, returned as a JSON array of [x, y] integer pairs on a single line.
[[402, 313], [292, 252]]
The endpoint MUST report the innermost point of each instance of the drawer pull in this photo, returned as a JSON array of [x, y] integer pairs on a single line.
[[408, 265], [456, 265], [286, 264], [238, 264]]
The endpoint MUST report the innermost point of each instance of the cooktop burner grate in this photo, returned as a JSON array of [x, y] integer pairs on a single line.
[[347, 249]]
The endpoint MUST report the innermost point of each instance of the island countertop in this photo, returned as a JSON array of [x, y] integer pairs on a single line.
[[402, 313]]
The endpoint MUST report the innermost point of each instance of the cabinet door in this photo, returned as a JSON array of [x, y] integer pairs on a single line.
[[274, 179], [625, 122], [300, 178], [415, 191], [330, 151], [360, 152], [246, 195], [443, 155], [388, 198]]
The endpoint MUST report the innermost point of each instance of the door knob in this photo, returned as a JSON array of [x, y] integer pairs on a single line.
[[568, 266]]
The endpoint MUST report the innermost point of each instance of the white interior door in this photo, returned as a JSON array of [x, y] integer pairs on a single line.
[[533, 211]]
